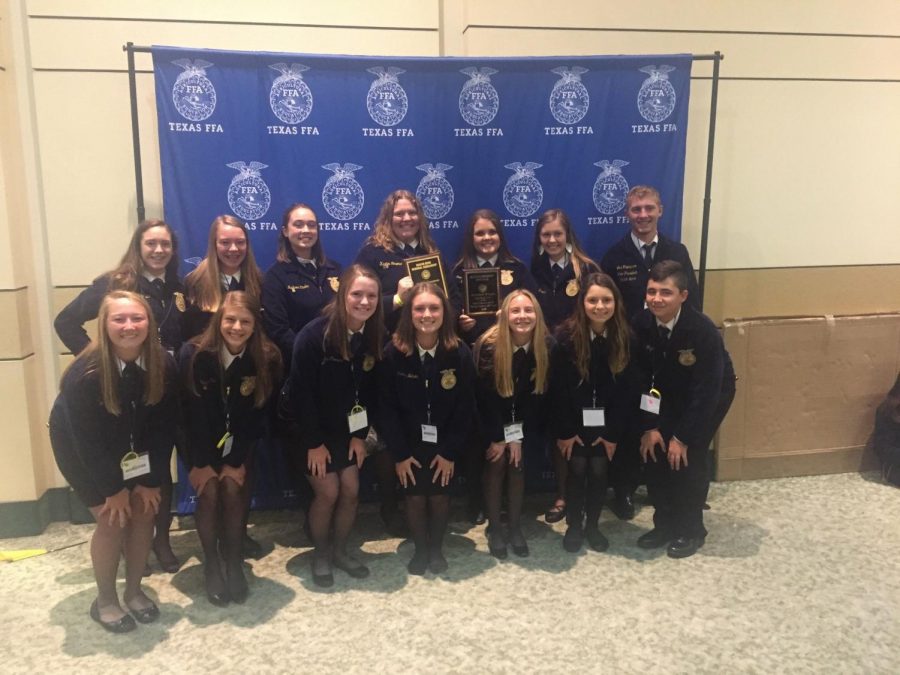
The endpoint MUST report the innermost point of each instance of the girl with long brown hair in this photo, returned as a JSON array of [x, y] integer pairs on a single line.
[[112, 429], [229, 372]]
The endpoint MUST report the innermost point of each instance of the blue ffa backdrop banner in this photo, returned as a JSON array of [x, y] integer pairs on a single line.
[[250, 133]]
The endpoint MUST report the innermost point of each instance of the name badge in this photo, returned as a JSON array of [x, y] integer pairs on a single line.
[[514, 431], [225, 444], [135, 465], [650, 402], [429, 433], [593, 417], [357, 418]]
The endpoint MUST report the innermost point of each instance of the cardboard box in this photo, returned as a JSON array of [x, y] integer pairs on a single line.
[[806, 393]]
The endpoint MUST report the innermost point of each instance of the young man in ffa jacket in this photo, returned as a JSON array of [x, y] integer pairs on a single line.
[[687, 388]]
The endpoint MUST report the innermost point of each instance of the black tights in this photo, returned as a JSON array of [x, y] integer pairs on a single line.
[[494, 475], [334, 504], [220, 520], [585, 489], [428, 517]]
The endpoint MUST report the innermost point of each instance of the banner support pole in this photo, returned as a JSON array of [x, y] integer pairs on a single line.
[[707, 200]]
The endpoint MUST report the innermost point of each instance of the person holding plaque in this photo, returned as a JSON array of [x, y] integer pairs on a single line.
[[112, 428], [401, 233], [558, 265], [228, 372], [513, 365], [333, 396], [486, 273], [593, 390], [427, 397], [484, 247], [150, 268]]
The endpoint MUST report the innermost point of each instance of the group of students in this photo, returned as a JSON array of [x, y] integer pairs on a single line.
[[342, 365]]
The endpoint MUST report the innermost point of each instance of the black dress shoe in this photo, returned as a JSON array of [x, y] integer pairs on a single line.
[[653, 539], [251, 548], [477, 517], [518, 544], [573, 539], [321, 573], [237, 584], [623, 506], [145, 615], [124, 625], [218, 598], [419, 564], [684, 547], [437, 563], [352, 567], [496, 543], [556, 512], [596, 539], [166, 559]]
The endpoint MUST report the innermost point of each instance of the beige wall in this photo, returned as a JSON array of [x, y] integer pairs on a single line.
[[808, 104]]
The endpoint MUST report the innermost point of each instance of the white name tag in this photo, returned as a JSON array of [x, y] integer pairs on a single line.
[[650, 403], [135, 465], [593, 417], [514, 431], [357, 418], [226, 448], [429, 433]]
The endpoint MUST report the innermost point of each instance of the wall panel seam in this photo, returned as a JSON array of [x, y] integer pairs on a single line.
[[17, 358], [420, 29], [693, 31]]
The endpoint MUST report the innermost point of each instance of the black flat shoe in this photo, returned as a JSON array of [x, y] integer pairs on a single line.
[[573, 538], [655, 538], [556, 512], [518, 544], [596, 539], [167, 561], [623, 506], [216, 593], [496, 544], [437, 563], [352, 567], [251, 548], [145, 615], [418, 565], [237, 585], [124, 625], [321, 573], [685, 547]]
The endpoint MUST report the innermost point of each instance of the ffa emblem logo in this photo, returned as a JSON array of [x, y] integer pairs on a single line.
[[482, 288], [368, 362], [610, 188], [434, 192], [686, 357], [569, 100], [506, 277], [335, 283], [523, 193], [478, 100], [386, 100], [248, 384], [656, 98], [248, 194], [448, 378], [572, 288], [193, 94], [290, 97], [179, 301], [426, 274], [342, 195]]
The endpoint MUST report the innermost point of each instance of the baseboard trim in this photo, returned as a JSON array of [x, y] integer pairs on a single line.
[[29, 518]]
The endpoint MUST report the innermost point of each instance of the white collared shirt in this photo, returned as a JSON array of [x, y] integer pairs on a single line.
[[152, 277], [139, 361], [226, 278], [227, 357], [669, 324], [492, 260], [423, 352], [640, 244], [304, 261], [595, 336]]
